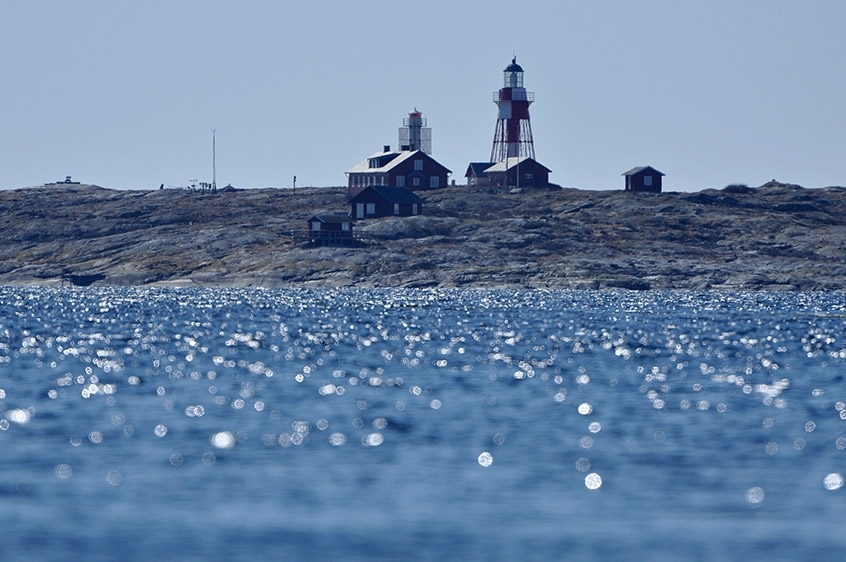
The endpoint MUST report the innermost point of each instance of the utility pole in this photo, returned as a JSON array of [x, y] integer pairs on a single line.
[[295, 185], [518, 172], [214, 163]]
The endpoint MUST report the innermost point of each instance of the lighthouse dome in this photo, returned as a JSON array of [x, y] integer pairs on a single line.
[[514, 67]]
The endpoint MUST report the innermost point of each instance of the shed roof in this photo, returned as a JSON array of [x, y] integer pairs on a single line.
[[334, 218], [639, 169], [477, 168]]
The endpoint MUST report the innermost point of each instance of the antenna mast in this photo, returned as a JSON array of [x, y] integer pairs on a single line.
[[214, 163]]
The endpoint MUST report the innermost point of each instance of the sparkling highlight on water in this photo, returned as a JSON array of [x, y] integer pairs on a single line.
[[593, 481], [833, 481], [222, 440], [264, 412], [485, 459]]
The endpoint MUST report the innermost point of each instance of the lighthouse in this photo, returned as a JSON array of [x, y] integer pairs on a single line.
[[512, 162], [414, 134], [513, 135]]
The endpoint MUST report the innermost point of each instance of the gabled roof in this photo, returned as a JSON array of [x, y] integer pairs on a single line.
[[639, 169], [392, 194], [389, 161], [476, 169], [511, 163], [336, 218]]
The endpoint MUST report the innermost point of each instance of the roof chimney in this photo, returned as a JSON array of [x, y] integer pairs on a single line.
[[386, 148]]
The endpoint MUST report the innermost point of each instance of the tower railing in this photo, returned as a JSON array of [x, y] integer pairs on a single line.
[[529, 97]]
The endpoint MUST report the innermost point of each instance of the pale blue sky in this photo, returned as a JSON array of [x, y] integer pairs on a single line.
[[125, 94]]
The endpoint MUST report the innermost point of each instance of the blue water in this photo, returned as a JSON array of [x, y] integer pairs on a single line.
[[164, 424]]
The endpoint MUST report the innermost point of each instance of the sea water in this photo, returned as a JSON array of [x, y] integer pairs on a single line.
[[246, 424]]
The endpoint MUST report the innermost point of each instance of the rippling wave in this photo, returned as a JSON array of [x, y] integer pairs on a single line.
[[148, 424]]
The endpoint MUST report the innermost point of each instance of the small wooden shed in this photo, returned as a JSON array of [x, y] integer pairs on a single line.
[[643, 178], [330, 228], [476, 175]]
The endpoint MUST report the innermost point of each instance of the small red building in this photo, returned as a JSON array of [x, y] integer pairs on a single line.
[[412, 169], [643, 178], [518, 172], [380, 201]]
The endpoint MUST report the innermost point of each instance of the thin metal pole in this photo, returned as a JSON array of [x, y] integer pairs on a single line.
[[214, 163]]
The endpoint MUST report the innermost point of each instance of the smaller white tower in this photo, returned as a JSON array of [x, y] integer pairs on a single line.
[[415, 135]]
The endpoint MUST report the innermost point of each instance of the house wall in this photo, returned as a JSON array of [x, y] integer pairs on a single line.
[[476, 181], [365, 179], [406, 170], [636, 182], [530, 175], [330, 228], [381, 207]]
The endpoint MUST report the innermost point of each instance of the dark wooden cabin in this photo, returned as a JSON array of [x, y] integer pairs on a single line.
[[379, 201], [643, 178], [330, 228]]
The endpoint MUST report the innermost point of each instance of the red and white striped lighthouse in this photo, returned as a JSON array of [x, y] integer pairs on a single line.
[[513, 135]]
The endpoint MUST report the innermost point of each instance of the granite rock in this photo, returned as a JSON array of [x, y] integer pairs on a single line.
[[773, 237]]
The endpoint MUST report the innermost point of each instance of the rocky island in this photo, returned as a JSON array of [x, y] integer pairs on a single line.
[[773, 237]]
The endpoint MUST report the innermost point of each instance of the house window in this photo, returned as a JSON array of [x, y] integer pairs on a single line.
[[434, 181], [400, 181], [315, 225], [647, 181], [396, 208], [415, 182], [527, 176], [418, 165], [345, 226], [371, 208], [414, 209], [382, 180]]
